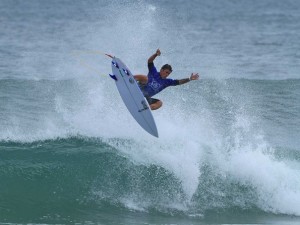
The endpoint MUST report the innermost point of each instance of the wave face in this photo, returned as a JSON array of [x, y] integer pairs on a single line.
[[228, 150], [78, 179]]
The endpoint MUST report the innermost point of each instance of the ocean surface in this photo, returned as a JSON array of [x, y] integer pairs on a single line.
[[229, 145]]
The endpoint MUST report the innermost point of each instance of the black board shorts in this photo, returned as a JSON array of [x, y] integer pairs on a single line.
[[149, 99]]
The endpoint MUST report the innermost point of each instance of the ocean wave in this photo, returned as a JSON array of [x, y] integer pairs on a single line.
[[88, 172]]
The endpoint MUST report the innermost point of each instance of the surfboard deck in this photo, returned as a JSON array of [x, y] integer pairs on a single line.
[[132, 96]]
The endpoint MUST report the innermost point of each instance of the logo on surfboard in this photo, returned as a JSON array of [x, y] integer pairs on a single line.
[[145, 106]]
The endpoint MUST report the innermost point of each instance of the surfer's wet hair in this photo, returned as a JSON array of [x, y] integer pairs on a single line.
[[167, 67]]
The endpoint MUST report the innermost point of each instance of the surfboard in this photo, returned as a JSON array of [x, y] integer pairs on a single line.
[[132, 96]]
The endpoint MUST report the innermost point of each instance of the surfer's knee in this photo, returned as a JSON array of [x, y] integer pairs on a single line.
[[141, 78]]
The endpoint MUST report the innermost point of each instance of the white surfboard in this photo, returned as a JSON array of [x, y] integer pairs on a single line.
[[132, 96]]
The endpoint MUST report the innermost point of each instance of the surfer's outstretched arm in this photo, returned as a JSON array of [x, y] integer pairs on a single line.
[[194, 76], [152, 57]]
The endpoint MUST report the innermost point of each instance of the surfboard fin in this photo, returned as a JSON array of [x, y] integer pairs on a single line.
[[115, 64], [125, 71], [113, 77]]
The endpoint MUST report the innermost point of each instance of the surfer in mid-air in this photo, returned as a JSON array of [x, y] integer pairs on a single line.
[[156, 81]]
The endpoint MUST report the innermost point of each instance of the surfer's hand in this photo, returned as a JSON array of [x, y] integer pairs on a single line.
[[194, 76], [158, 52]]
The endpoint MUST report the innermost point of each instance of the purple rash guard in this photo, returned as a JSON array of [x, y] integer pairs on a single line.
[[155, 82]]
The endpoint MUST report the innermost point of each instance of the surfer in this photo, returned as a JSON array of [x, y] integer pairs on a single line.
[[156, 81]]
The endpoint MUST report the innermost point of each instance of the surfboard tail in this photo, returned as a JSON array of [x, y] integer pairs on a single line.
[[113, 77]]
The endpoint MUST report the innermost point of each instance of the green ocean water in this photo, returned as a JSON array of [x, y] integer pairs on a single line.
[[78, 180]]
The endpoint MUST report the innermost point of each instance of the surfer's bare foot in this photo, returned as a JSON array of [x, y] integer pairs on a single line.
[[156, 105]]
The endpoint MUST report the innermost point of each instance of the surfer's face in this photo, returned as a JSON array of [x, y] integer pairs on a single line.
[[164, 73]]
